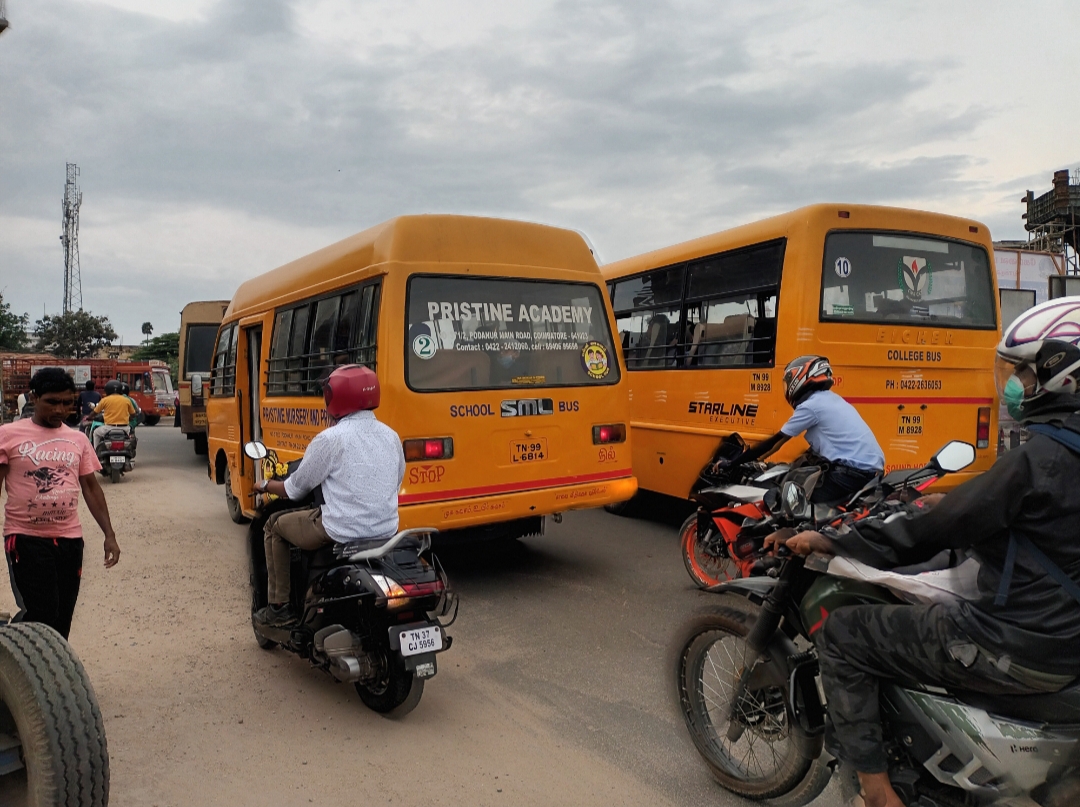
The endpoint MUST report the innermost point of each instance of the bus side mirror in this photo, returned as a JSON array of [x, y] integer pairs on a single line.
[[255, 450], [196, 385]]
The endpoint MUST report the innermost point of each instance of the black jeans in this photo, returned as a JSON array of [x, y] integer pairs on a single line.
[[839, 484], [45, 575]]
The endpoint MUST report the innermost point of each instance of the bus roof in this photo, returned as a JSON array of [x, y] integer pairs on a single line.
[[418, 239], [825, 215], [204, 311]]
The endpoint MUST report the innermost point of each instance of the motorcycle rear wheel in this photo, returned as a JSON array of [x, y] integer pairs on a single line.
[[704, 569], [114, 474], [395, 695], [764, 761]]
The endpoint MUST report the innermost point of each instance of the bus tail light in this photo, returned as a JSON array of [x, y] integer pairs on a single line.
[[982, 433], [611, 433], [437, 448]]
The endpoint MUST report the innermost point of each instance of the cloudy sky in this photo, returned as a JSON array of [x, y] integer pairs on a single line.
[[218, 139]]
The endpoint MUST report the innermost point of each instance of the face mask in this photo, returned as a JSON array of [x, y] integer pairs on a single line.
[[1014, 398]]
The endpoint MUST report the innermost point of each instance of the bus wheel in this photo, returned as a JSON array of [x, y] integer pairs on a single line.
[[626, 508], [152, 420], [200, 444], [704, 568], [48, 707], [236, 512]]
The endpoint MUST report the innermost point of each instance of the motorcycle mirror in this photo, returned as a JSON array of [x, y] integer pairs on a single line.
[[794, 504], [954, 456], [255, 450]]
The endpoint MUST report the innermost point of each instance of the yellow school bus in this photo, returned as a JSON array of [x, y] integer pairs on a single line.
[[902, 302], [199, 323], [493, 345]]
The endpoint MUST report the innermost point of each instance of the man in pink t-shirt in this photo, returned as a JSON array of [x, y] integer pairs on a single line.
[[44, 464]]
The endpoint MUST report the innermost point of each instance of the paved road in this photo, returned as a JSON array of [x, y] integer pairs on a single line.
[[556, 690]]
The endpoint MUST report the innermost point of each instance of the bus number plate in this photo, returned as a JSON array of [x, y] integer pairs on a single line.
[[531, 450], [198, 418], [909, 425]]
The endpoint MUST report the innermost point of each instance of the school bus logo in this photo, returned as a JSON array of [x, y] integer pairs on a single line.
[[595, 358], [915, 277]]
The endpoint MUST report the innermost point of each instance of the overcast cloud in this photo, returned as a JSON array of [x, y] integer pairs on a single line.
[[218, 139]]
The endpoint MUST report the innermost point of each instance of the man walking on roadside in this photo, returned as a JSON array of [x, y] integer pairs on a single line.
[[43, 465]]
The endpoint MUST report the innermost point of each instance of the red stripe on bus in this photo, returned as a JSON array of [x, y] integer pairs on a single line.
[[511, 487], [985, 401]]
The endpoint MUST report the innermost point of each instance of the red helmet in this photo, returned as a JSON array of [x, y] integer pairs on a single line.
[[804, 375], [350, 388]]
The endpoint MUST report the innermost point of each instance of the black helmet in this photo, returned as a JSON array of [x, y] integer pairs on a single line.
[[804, 375], [124, 388], [113, 387]]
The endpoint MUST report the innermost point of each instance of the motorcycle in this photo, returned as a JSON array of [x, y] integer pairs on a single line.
[[747, 683], [374, 613], [727, 497], [115, 451]]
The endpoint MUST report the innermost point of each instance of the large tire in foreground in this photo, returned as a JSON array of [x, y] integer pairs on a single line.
[[46, 698], [704, 569], [395, 695], [201, 446], [152, 420], [749, 747]]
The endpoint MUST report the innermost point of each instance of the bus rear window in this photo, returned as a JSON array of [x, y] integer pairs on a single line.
[[493, 333], [883, 277], [199, 350]]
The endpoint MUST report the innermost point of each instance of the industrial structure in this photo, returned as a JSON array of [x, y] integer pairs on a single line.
[[70, 239], [3, 16], [1053, 220]]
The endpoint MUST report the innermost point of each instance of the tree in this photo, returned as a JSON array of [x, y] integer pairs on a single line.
[[165, 347], [147, 329], [74, 335], [12, 328]]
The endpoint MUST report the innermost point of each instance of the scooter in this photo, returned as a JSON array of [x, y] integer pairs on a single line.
[[115, 451], [373, 613], [747, 683]]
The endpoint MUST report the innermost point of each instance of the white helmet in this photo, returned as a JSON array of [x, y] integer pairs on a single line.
[[1055, 325]]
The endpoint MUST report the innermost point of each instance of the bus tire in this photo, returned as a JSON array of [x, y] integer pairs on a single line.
[[201, 447], [47, 700], [152, 420], [236, 512]]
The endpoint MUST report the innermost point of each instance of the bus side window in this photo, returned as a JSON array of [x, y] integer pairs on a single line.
[[319, 362], [295, 362], [350, 307], [279, 351], [732, 298], [649, 315], [364, 346], [223, 375]]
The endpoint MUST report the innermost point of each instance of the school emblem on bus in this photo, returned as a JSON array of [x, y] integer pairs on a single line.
[[915, 277], [424, 346], [595, 358]]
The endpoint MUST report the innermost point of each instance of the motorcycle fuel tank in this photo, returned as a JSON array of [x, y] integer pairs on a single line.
[[827, 593]]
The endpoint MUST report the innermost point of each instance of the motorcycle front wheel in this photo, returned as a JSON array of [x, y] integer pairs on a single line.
[[704, 568], [395, 693], [748, 745]]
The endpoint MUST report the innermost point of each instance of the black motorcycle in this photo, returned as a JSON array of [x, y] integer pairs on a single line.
[[746, 678], [373, 613]]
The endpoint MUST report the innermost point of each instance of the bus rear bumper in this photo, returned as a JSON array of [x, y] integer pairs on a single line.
[[457, 513]]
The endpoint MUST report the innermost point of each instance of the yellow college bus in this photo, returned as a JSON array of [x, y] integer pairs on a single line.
[[199, 323], [902, 302], [493, 345]]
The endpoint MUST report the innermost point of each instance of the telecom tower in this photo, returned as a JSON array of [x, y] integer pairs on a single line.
[[70, 239]]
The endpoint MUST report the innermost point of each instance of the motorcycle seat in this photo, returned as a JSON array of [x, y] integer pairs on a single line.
[[1062, 707]]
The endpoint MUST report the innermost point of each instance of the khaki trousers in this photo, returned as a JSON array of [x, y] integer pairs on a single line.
[[302, 528]]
